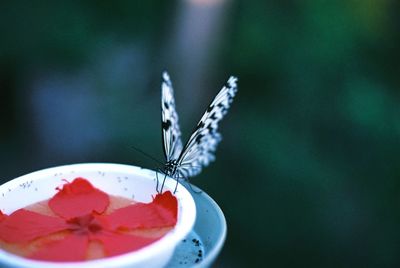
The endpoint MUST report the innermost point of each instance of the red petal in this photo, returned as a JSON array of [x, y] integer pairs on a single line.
[[71, 248], [78, 198], [24, 225], [168, 201], [162, 212], [2, 216], [115, 244]]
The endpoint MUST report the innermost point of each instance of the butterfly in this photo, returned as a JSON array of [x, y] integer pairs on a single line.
[[184, 161]]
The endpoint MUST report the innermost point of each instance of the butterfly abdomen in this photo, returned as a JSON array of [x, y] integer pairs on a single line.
[[170, 168]]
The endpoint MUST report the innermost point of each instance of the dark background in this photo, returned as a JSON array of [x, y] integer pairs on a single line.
[[308, 173]]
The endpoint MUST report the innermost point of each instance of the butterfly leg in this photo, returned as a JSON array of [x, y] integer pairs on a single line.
[[191, 188], [157, 181], [162, 186], [180, 176], [176, 185]]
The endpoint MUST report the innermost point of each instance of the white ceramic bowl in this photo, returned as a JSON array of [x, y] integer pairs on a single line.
[[116, 179], [209, 229], [213, 238]]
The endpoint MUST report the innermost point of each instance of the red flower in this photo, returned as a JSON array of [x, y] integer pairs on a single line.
[[80, 212], [2, 216]]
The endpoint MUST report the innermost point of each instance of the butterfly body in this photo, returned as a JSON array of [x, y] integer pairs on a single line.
[[170, 168], [184, 161]]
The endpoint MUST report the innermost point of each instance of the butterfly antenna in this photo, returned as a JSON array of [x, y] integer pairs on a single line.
[[147, 155]]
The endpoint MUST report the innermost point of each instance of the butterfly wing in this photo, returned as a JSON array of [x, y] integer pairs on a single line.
[[171, 134], [199, 150]]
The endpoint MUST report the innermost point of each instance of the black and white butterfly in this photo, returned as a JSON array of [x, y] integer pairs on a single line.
[[184, 161]]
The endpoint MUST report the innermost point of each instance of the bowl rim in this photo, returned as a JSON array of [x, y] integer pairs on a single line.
[[184, 224], [211, 256]]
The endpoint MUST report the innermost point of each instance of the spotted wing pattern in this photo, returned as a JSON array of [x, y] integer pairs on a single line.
[[199, 151], [171, 133]]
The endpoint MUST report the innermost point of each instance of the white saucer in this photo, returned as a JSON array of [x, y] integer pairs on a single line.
[[203, 244]]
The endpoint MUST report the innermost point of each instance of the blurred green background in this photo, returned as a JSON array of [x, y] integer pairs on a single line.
[[308, 173]]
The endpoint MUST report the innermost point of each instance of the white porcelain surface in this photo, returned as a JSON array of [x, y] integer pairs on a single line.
[[210, 226], [116, 179], [209, 232]]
